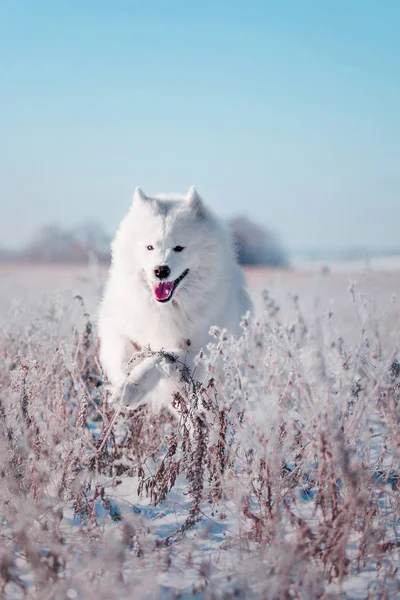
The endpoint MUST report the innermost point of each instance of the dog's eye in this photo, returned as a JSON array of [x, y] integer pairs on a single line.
[[178, 248], [150, 247]]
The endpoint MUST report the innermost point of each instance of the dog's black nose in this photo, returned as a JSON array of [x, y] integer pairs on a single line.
[[162, 271]]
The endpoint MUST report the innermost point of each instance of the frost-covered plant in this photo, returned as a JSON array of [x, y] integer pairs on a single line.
[[278, 479]]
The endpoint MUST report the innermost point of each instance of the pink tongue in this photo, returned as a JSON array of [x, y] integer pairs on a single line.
[[163, 289]]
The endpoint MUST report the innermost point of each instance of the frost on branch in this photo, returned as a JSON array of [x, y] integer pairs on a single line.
[[277, 479]]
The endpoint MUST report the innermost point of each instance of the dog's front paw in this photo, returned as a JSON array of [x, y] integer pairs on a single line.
[[114, 393], [132, 395]]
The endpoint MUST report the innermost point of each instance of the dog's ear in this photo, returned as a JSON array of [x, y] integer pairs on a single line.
[[139, 196], [195, 201]]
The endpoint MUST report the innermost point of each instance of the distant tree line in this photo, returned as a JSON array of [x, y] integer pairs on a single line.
[[53, 244], [257, 245]]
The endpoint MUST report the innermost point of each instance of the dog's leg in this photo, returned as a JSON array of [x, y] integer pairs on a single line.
[[112, 354], [144, 378]]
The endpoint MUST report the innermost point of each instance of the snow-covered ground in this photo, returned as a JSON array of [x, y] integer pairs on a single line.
[[376, 263]]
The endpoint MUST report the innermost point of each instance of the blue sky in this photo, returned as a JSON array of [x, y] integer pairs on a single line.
[[287, 111]]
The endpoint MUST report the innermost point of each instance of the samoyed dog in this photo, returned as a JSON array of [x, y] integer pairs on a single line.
[[173, 275]]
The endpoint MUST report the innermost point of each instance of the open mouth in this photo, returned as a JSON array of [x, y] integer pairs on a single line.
[[164, 290]]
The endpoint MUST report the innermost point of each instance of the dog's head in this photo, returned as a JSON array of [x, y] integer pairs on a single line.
[[172, 241]]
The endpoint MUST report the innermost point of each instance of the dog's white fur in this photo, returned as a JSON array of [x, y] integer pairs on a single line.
[[212, 293]]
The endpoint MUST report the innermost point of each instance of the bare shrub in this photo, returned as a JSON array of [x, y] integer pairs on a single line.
[[279, 481]]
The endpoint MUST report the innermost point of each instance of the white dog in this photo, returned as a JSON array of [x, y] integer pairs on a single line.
[[173, 275]]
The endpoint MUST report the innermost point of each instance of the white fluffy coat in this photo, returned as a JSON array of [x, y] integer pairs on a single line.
[[212, 292]]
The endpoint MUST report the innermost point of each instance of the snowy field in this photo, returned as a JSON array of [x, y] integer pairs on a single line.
[[288, 489]]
